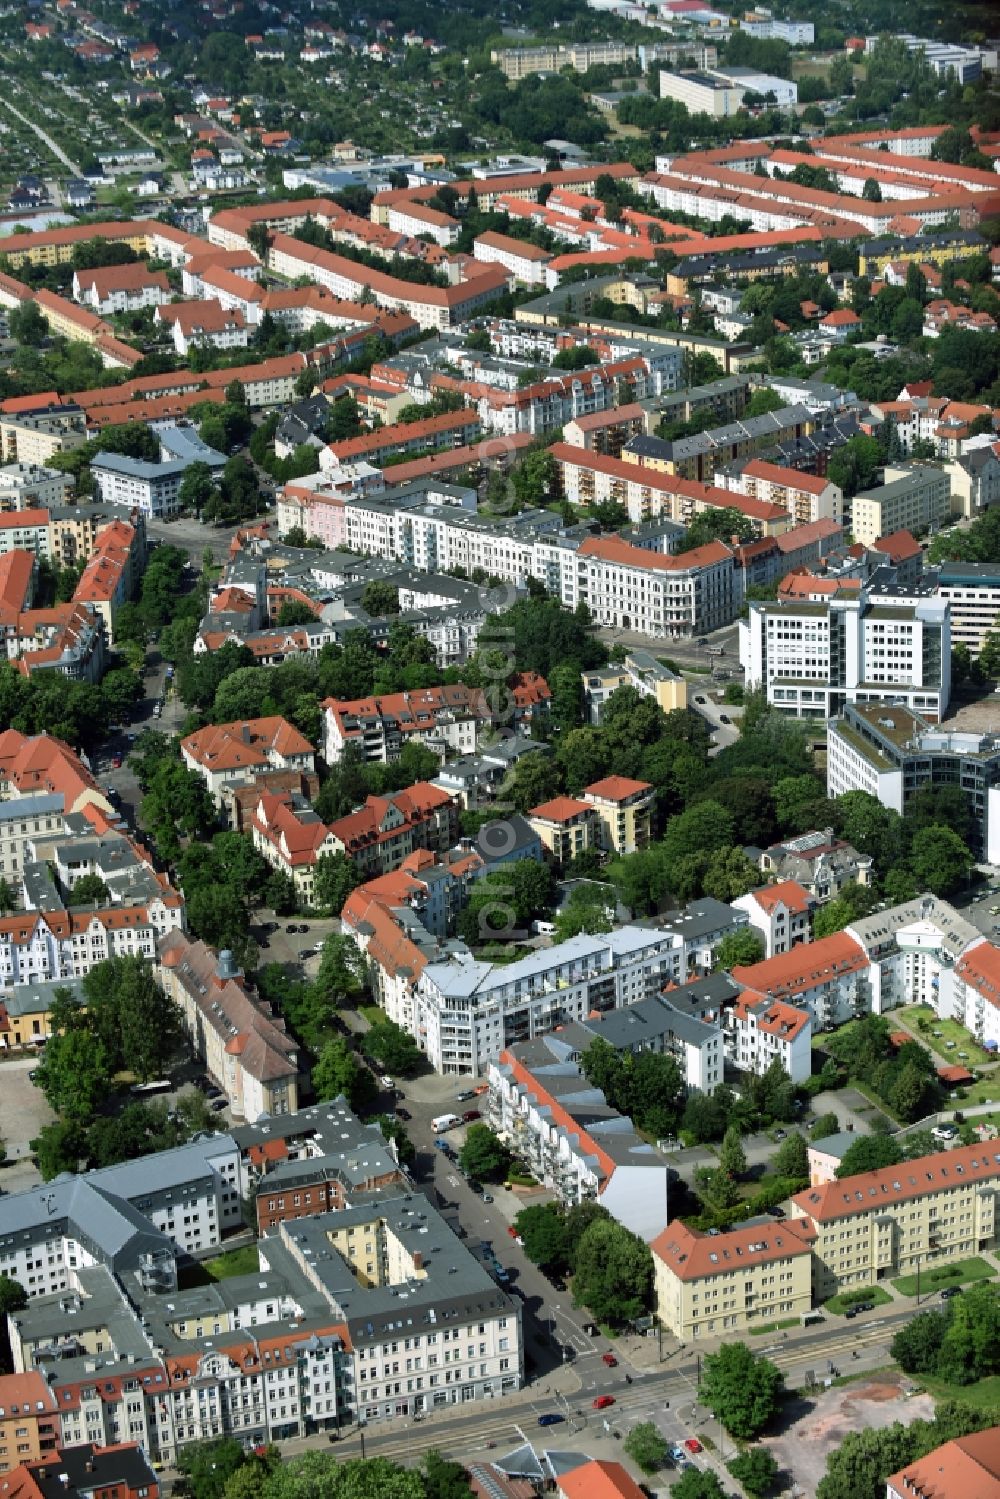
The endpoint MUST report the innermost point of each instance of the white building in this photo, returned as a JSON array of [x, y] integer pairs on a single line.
[[784, 93], [30, 486], [525, 261], [703, 93], [914, 950], [150, 487], [807, 497], [466, 1012], [781, 913], [975, 993], [230, 754], [972, 592], [760, 1031], [812, 658], [121, 288]]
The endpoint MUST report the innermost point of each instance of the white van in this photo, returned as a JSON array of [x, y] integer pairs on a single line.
[[444, 1122]]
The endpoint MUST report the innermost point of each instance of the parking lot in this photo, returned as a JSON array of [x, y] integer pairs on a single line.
[[23, 1113]]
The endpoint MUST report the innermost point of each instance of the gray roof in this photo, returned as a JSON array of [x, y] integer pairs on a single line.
[[839, 1144], [636, 1025], [955, 930], [36, 998], [37, 805], [703, 918]]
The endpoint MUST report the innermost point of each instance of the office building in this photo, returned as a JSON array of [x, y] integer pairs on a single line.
[[703, 93], [892, 752], [972, 592], [914, 497], [863, 647]]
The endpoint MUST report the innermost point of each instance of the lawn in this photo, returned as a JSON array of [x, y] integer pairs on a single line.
[[839, 1304], [374, 1014], [984, 1394], [245, 1261], [949, 1030], [958, 1274], [986, 1090], [757, 1332]]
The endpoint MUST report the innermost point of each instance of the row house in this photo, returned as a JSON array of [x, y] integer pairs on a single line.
[[121, 288], [383, 832], [244, 1045], [40, 945], [565, 1132]]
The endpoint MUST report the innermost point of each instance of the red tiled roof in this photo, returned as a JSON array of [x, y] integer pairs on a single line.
[[788, 892], [616, 788], [790, 478], [692, 1255], [980, 969], [806, 967], [560, 809], [870, 1190], [966, 1468]]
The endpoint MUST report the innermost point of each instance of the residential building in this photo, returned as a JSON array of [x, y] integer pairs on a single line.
[[956, 1469], [204, 325], [568, 1135], [975, 993], [817, 861], [703, 93], [807, 497], [825, 1156], [121, 1471], [829, 979], [624, 813], [914, 497], [24, 531], [32, 437], [231, 754], [41, 779], [892, 752], [781, 913], [245, 1047], [566, 826], [598, 1479], [525, 262], [152, 488], [975, 481], [24, 1012], [291, 837], [452, 715], [864, 647], [387, 829], [914, 951], [726, 1283], [761, 1031], [641, 670], [31, 486], [465, 1012], [113, 571], [684, 1023], [881, 1224], [29, 1421], [121, 288]]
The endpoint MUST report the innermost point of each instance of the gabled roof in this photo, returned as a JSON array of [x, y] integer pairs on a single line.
[[868, 1191], [806, 967]]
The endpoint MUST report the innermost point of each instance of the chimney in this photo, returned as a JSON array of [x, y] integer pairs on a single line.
[[418, 1259]]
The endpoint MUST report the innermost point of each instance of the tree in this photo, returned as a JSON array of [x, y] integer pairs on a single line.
[[483, 1156], [869, 1153], [732, 1156], [916, 1346], [13, 1296], [544, 1229], [646, 1445], [59, 1147], [338, 1070], [970, 1348], [743, 1390], [756, 1470], [394, 1048], [90, 888], [443, 1477], [380, 598], [739, 949], [792, 1159], [871, 192], [613, 1273], [135, 1022], [697, 1483], [197, 487], [26, 324], [8, 897], [336, 876], [823, 1126], [939, 859], [294, 612], [208, 1466], [75, 1074]]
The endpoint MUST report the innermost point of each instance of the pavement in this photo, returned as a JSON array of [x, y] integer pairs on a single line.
[[23, 1113]]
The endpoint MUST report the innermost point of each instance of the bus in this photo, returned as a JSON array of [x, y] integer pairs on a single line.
[[146, 1090]]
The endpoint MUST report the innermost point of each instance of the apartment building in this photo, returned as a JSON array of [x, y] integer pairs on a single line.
[[882, 1224], [641, 670], [291, 837], [892, 752], [453, 715], [914, 497], [606, 432], [245, 1047], [761, 1031], [466, 1012], [33, 436], [914, 950], [120, 1471], [566, 827], [975, 481], [231, 754], [806, 497], [24, 531], [318, 1160], [829, 979], [121, 288], [29, 1420], [780, 913], [41, 780], [814, 658], [628, 588], [818, 862], [152, 488], [724, 1284], [31, 486], [568, 1135], [975, 992], [204, 325], [684, 1023], [58, 943], [624, 811], [112, 573], [387, 829]]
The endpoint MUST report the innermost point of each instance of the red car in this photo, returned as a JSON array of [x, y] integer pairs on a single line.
[[693, 1445], [610, 1360], [603, 1401], [470, 1116]]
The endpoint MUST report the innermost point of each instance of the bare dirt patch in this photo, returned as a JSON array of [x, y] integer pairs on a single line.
[[802, 1450]]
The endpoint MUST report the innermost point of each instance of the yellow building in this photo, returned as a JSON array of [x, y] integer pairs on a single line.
[[566, 827], [29, 1420], [640, 670], [712, 1285], [625, 813], [874, 256], [24, 1014], [881, 1224], [72, 537]]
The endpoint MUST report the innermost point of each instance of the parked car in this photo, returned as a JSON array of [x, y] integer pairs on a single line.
[[32, 1074], [700, 700], [724, 718], [550, 1419], [217, 1105], [692, 1444], [487, 1198], [464, 1098], [386, 1081], [950, 1291], [603, 1401], [851, 1312], [291, 927], [610, 1360], [443, 1146], [557, 1283], [676, 1454], [406, 1116], [470, 1116]]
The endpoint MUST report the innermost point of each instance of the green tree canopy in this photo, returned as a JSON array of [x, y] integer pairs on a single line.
[[743, 1390]]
